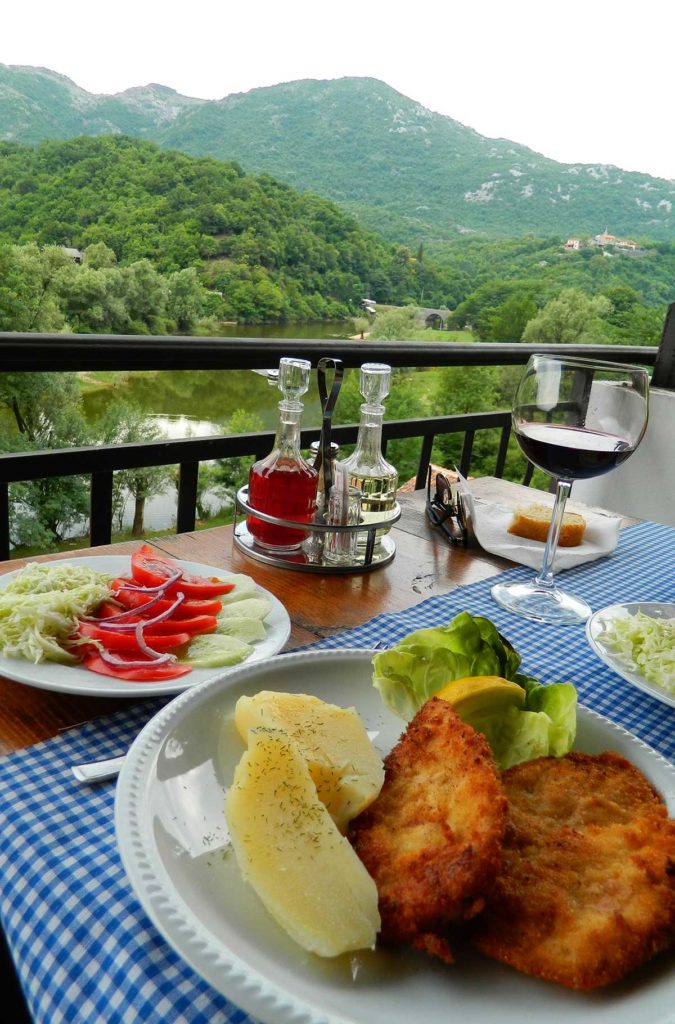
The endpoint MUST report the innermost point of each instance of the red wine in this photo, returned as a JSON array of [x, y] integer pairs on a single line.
[[287, 490], [571, 453]]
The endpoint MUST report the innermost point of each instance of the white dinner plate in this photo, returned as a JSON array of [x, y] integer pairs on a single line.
[[602, 619], [49, 675], [173, 840]]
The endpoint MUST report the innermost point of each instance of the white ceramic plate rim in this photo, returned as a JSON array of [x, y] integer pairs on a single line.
[[263, 997], [601, 619], [49, 675]]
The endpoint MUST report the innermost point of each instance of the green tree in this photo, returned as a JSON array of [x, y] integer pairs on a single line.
[[572, 318], [99, 256], [226, 476], [126, 424], [43, 513], [509, 320], [460, 390], [394, 325], [47, 414], [187, 299], [44, 405], [29, 287], [146, 294]]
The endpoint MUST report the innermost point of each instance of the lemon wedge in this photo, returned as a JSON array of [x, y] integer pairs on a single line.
[[474, 696]]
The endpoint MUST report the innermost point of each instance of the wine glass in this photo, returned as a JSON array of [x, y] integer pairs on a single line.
[[574, 419]]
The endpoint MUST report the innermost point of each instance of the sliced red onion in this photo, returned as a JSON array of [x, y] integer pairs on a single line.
[[158, 659], [127, 614], [117, 623], [150, 651], [152, 590]]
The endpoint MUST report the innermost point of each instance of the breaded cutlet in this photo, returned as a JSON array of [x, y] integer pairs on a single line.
[[586, 892], [432, 839]]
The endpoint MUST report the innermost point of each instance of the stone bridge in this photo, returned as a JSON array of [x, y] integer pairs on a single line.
[[437, 318], [433, 317]]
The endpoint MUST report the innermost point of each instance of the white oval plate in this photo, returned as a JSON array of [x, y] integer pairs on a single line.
[[600, 621], [48, 675], [173, 840]]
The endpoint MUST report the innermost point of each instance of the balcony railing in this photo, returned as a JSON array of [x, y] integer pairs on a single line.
[[36, 352]]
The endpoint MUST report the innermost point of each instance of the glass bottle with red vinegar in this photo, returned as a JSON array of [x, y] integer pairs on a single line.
[[284, 484]]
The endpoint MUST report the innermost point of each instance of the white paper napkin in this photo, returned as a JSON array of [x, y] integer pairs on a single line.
[[491, 521]]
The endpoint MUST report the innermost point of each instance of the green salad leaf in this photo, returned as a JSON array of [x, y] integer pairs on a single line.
[[424, 661], [39, 609]]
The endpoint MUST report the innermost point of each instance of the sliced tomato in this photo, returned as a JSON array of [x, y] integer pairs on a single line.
[[199, 624], [107, 609], [95, 663], [151, 569], [187, 610], [126, 641]]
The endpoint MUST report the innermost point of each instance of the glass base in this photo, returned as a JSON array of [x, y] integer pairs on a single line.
[[543, 604]]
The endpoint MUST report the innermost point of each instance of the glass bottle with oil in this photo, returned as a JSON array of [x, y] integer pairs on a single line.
[[367, 467]]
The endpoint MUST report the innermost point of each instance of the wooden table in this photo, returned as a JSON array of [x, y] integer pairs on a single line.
[[318, 605]]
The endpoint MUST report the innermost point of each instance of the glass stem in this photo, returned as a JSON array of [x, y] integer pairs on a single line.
[[562, 493]]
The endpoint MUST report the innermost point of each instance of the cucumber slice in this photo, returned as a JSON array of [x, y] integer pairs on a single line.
[[211, 650], [249, 630], [247, 608], [244, 586]]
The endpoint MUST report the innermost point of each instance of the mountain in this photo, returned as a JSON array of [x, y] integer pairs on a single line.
[[411, 174], [37, 104]]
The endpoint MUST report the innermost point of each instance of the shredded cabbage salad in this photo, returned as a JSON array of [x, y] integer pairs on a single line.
[[40, 606], [643, 644]]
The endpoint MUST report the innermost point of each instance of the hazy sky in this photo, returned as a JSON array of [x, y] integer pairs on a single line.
[[576, 80]]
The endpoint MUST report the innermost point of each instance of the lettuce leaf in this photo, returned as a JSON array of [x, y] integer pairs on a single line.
[[424, 661]]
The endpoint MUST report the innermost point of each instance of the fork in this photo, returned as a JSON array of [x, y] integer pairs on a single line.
[[101, 771]]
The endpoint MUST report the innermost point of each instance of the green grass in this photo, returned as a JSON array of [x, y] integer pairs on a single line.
[[75, 543], [101, 380]]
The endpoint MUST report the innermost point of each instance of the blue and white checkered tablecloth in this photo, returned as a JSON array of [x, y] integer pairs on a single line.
[[84, 948]]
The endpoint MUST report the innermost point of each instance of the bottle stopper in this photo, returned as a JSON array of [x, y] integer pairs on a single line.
[[293, 380], [375, 382]]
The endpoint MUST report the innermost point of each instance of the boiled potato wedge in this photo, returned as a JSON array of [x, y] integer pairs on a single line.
[[289, 849], [347, 771]]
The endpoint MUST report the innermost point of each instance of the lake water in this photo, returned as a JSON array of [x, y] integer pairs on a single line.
[[170, 398]]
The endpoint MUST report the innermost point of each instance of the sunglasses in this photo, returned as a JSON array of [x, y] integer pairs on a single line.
[[445, 509]]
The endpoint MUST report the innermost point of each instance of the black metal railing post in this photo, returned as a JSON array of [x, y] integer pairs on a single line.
[[101, 507], [188, 476], [664, 366]]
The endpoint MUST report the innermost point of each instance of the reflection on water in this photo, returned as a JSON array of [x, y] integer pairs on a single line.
[[179, 394], [200, 396], [184, 426]]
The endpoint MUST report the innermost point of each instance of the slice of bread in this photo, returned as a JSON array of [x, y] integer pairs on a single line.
[[533, 522]]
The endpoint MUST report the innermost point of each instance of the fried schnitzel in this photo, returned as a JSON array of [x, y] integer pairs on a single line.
[[432, 838], [586, 892]]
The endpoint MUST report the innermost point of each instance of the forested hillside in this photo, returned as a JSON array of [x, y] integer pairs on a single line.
[[512, 281], [403, 170], [266, 251]]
